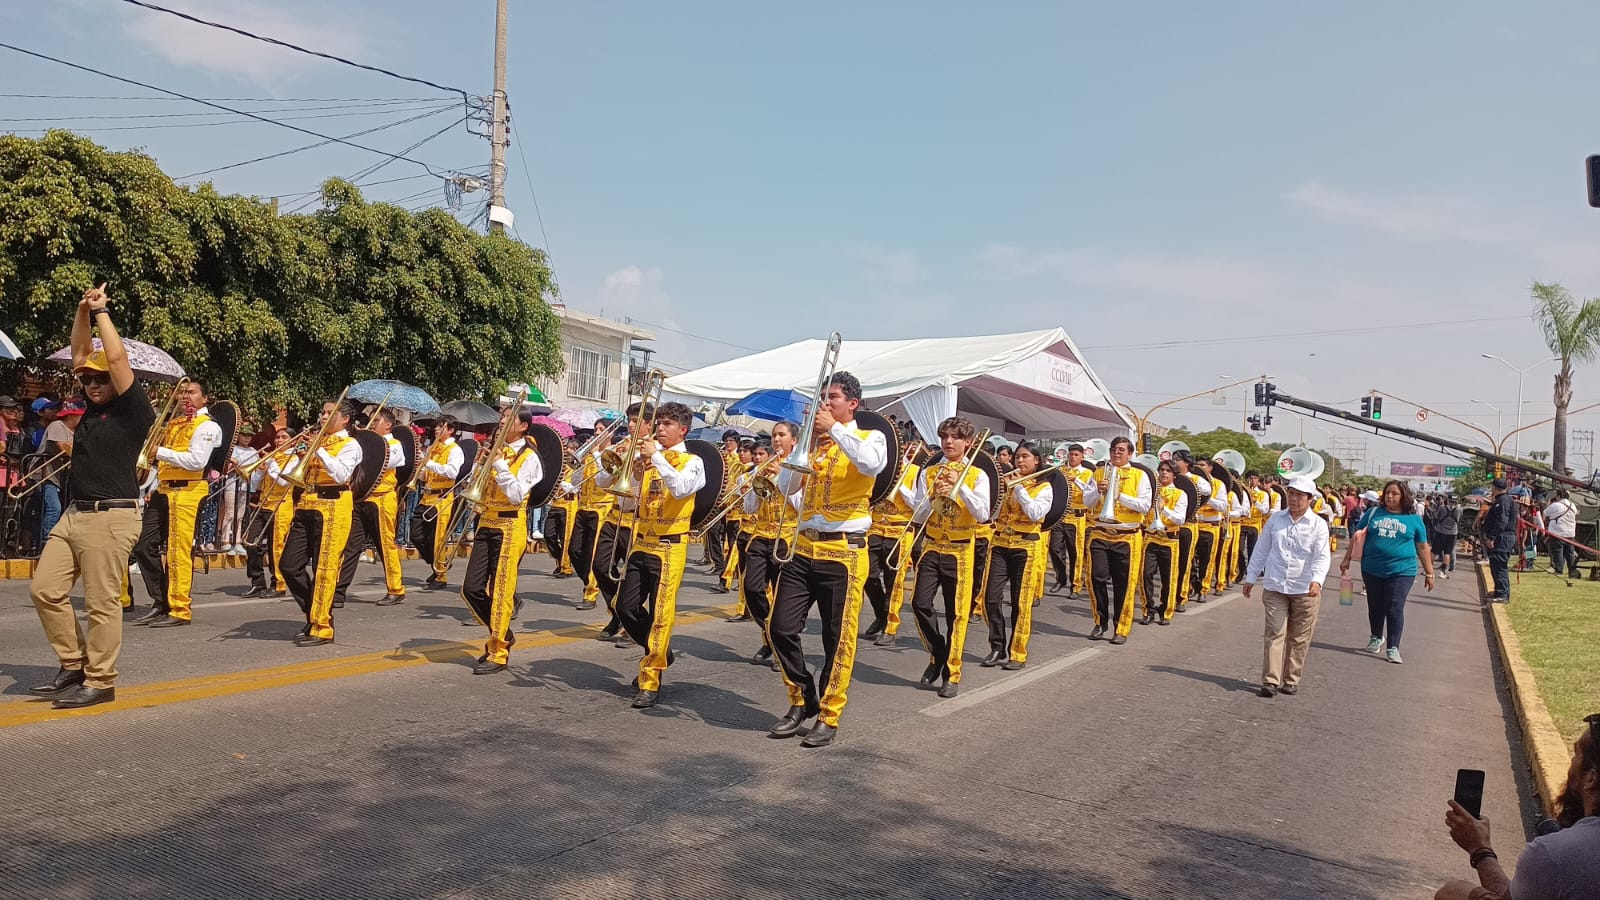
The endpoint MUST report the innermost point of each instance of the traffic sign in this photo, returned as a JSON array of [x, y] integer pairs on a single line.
[[1422, 415], [1457, 471]]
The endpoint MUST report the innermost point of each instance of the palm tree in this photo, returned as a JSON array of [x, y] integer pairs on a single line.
[[1572, 332]]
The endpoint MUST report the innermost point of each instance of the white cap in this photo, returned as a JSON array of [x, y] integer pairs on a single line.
[[1370, 496], [1301, 483]]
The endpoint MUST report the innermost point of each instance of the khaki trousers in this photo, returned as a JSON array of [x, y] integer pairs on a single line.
[[1290, 620], [95, 546]]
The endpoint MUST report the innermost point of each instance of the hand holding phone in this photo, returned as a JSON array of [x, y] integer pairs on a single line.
[[1469, 791]]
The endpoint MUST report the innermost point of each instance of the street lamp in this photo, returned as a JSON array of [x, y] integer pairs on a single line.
[[1517, 442], [1244, 414], [1497, 431]]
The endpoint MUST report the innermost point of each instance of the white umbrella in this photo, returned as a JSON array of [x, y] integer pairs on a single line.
[[8, 347]]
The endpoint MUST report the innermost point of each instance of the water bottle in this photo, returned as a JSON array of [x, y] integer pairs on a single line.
[[1347, 591]]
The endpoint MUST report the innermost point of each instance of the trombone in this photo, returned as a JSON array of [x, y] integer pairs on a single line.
[[476, 489], [940, 504], [40, 475], [800, 458], [158, 430], [601, 439], [754, 481], [296, 475], [624, 485]]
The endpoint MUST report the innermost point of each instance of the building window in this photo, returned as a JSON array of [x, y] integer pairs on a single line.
[[589, 375]]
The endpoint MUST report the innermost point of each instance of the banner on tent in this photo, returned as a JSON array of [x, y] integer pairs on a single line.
[[1055, 375]]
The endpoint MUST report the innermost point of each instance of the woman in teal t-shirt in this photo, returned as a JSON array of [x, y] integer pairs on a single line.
[[1394, 545]]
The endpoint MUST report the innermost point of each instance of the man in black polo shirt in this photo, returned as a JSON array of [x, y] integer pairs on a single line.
[[97, 530]]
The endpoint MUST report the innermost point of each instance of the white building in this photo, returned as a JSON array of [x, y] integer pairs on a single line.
[[597, 354]]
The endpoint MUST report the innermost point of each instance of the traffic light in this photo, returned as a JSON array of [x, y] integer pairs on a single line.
[[1146, 441], [1366, 407], [1377, 407], [1261, 393], [1592, 167], [1255, 423]]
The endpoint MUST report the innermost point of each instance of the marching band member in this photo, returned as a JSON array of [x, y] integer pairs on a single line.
[[562, 518], [829, 568], [1189, 565], [1260, 508], [275, 500], [946, 565], [374, 518], [321, 525], [668, 477], [1238, 508], [430, 525], [615, 532], [889, 552], [169, 517], [490, 585], [714, 544], [763, 528], [1067, 553], [1208, 539], [594, 506], [1162, 547], [1014, 558], [733, 530], [1116, 542]]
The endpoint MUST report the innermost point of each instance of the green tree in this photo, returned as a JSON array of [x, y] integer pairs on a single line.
[[267, 308], [1572, 332]]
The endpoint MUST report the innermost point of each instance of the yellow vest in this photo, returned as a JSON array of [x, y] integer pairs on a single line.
[[1075, 481], [386, 481], [660, 514], [1129, 480], [494, 496], [271, 491], [1255, 518], [1169, 497], [1012, 521], [960, 525], [591, 496], [890, 517], [736, 514], [1210, 515], [179, 433], [568, 502], [316, 473], [440, 453], [839, 492], [763, 523]]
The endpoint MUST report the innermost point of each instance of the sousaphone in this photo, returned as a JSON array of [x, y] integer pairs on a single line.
[[1300, 461]]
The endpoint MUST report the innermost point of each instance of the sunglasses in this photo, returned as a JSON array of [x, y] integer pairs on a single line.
[[94, 378]]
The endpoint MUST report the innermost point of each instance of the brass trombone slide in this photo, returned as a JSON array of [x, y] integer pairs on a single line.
[[40, 475]]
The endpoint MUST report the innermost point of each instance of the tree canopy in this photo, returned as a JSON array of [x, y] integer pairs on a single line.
[[267, 308]]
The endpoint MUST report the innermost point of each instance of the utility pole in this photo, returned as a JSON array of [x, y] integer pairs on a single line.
[[497, 136]]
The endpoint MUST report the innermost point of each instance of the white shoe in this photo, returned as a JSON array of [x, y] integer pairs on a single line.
[[236, 550], [1394, 655], [133, 568], [536, 536]]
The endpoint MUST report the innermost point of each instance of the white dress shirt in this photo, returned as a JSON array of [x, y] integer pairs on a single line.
[[1291, 554], [397, 454], [1139, 503], [451, 467], [277, 465], [1173, 518], [679, 483], [341, 466], [976, 498], [1034, 508], [516, 485], [868, 452], [205, 439]]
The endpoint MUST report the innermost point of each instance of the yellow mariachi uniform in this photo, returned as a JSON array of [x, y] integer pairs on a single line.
[[1117, 546], [431, 525], [558, 526], [170, 516], [1163, 525], [489, 587], [1239, 507], [830, 566], [321, 517], [763, 522], [889, 548], [735, 529], [1213, 516], [1016, 558], [946, 564], [595, 505], [647, 602], [1191, 565], [276, 496], [1078, 523], [384, 497], [982, 539]]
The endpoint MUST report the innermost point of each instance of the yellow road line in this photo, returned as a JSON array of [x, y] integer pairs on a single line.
[[223, 684]]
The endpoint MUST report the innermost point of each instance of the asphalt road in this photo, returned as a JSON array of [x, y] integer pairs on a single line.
[[234, 764]]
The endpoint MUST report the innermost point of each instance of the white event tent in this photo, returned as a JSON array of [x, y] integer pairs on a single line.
[[1033, 384]]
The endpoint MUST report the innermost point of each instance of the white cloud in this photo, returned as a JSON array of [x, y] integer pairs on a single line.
[[224, 53], [640, 294], [891, 268], [1213, 279], [1414, 217]]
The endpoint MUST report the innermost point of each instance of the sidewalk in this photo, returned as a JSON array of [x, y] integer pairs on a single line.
[[1144, 771]]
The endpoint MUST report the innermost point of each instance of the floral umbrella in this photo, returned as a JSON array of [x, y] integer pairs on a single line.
[[577, 418], [148, 362], [8, 348], [556, 425], [396, 394]]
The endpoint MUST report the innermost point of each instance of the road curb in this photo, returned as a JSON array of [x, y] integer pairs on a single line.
[[1547, 753]]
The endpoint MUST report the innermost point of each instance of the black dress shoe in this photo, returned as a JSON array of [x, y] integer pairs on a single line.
[[741, 617], [1290, 689], [278, 595], [255, 590], [931, 673], [560, 574], [304, 632], [485, 667], [992, 660], [792, 722], [435, 585], [884, 640], [338, 604], [1267, 690], [623, 641], [1147, 618], [873, 630], [820, 735], [720, 588], [306, 640], [1012, 665], [1164, 620], [1098, 633], [1200, 598], [391, 600], [761, 656], [606, 636], [949, 689], [1119, 639], [646, 699], [65, 679], [585, 605], [155, 613], [83, 695], [168, 622]]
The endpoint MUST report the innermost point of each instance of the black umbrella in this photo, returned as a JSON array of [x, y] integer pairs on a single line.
[[471, 413]]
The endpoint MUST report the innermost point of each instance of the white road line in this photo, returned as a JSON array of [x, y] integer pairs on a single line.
[[946, 707], [1195, 609]]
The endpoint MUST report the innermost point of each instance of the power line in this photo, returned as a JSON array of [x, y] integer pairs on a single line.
[[1190, 342], [295, 47], [340, 115], [374, 168], [322, 143], [11, 96], [527, 173], [424, 104], [151, 87], [699, 337]]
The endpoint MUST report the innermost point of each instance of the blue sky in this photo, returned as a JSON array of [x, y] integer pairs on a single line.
[[745, 174]]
